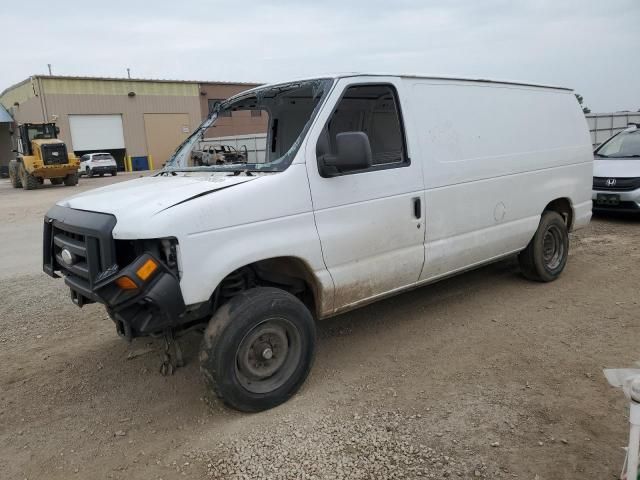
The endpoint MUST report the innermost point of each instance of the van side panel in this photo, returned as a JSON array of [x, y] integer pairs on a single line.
[[493, 157]]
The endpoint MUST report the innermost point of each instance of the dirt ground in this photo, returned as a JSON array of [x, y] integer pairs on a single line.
[[484, 375]]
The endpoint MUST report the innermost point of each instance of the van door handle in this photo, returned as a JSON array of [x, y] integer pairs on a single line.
[[417, 207]]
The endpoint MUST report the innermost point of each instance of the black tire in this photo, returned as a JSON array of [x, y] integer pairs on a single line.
[[29, 182], [71, 180], [56, 181], [89, 172], [239, 354], [14, 174], [546, 255], [114, 173], [101, 174]]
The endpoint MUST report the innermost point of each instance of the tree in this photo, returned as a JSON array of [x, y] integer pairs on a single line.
[[580, 98]]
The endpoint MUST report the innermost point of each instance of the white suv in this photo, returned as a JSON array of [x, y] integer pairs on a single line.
[[98, 164]]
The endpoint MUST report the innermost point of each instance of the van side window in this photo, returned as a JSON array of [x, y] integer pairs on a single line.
[[372, 109]]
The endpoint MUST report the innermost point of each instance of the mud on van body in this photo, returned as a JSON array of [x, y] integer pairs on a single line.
[[370, 185]]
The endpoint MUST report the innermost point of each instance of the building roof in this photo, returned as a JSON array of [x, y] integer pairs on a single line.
[[155, 80], [5, 117], [125, 79]]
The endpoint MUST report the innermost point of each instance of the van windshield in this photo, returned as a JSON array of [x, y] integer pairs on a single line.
[[260, 130], [624, 145]]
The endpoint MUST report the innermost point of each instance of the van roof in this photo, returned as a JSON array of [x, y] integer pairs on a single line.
[[418, 76]]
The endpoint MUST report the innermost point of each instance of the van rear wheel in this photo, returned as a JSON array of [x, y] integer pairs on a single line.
[[258, 349], [546, 255]]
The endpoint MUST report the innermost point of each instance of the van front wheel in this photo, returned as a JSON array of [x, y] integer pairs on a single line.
[[258, 349], [546, 255]]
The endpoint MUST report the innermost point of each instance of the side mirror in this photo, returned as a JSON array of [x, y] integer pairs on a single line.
[[354, 153], [57, 130]]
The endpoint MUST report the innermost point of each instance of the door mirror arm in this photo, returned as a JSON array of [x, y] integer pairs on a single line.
[[328, 165]]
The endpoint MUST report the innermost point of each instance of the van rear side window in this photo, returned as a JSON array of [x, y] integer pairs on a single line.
[[372, 109]]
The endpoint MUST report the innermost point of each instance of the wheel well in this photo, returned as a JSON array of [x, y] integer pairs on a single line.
[[563, 207], [287, 273]]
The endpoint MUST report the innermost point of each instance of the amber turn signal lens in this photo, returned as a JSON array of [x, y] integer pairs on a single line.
[[146, 269], [126, 283]]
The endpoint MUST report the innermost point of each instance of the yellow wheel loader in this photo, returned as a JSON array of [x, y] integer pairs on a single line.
[[40, 156]]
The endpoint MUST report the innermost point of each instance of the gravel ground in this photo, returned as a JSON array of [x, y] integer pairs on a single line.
[[484, 375]]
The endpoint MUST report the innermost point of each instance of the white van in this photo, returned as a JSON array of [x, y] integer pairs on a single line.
[[371, 185]]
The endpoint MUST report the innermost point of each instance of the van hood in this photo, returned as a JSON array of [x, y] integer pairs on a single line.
[[610, 167], [146, 196]]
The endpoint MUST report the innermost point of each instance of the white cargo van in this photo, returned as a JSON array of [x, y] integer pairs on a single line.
[[371, 185]]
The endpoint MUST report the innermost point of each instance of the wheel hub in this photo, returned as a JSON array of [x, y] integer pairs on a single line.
[[268, 355], [263, 352], [553, 249]]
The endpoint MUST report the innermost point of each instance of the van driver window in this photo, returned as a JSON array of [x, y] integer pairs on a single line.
[[371, 109]]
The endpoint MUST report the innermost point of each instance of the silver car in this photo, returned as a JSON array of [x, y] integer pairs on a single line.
[[616, 172]]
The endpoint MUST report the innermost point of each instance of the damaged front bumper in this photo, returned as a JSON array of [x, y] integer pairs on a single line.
[[143, 297], [138, 306]]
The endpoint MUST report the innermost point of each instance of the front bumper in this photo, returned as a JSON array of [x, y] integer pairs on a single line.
[[629, 201], [153, 306]]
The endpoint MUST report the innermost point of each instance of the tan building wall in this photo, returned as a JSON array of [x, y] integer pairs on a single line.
[[19, 93], [30, 110], [220, 91], [149, 118], [132, 109], [164, 131], [240, 123]]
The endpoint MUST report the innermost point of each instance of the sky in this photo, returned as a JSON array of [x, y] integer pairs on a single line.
[[591, 46]]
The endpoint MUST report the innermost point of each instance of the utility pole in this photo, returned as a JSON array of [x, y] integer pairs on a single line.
[[49, 67], [128, 73]]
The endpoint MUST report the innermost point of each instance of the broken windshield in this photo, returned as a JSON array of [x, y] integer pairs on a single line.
[[260, 130]]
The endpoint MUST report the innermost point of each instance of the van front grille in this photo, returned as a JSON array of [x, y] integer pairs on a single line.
[[79, 244]]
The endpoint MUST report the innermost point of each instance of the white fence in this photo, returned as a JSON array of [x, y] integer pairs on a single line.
[[256, 144], [604, 125]]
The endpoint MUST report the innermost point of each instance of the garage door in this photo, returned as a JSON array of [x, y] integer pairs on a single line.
[[96, 132], [165, 131]]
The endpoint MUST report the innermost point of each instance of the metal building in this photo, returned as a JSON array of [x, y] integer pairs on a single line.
[[139, 121]]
